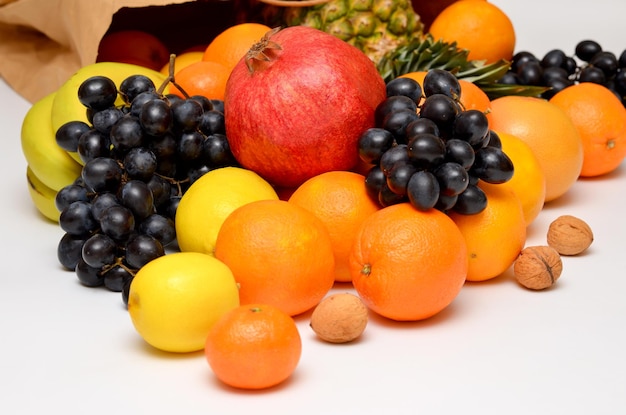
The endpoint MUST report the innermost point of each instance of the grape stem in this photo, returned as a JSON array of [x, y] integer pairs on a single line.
[[171, 79]]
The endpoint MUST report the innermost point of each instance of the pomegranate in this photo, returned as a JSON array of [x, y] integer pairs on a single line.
[[297, 103]]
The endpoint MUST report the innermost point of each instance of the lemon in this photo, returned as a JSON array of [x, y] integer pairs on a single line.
[[210, 199], [175, 299]]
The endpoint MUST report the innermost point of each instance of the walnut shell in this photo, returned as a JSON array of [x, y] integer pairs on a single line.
[[339, 318], [569, 235], [538, 267]]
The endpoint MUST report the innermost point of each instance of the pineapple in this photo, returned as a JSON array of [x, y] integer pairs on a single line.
[[374, 26]]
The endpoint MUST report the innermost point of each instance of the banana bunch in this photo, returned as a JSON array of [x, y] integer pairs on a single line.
[[50, 167]]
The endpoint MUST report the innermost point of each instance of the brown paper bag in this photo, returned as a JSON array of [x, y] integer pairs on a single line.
[[43, 42]]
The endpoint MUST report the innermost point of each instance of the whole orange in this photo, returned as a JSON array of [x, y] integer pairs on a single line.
[[495, 236], [280, 254], [528, 181], [549, 132], [476, 25], [253, 346], [340, 200], [201, 78], [232, 44], [408, 264], [600, 119], [133, 46]]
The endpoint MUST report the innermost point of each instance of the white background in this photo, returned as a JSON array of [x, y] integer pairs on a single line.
[[498, 349]]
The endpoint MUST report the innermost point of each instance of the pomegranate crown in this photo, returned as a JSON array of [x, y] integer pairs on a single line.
[[258, 50]]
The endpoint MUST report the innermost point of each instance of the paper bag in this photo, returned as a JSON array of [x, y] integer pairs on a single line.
[[43, 42]]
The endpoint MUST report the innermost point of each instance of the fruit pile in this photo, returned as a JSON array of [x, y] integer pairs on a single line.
[[312, 164]]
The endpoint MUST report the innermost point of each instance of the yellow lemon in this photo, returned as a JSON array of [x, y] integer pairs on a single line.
[[210, 199], [528, 181], [176, 299]]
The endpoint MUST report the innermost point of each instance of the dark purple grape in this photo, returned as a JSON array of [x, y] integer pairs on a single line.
[[206, 103], [99, 250], [445, 203], [521, 58], [396, 123], [156, 117], [620, 82], [441, 81], [118, 222], [163, 146], [68, 134], [140, 163], [421, 126], [97, 92], [530, 73], [102, 174], [69, 250], [159, 227], [160, 189], [115, 278], [212, 122], [460, 152], [555, 58], [471, 125], [393, 104], [494, 140], [104, 120], [373, 143], [387, 197], [426, 150], [101, 202], [142, 249], [396, 154], [127, 133], [398, 177], [77, 219], [471, 201], [135, 85], [405, 86], [137, 197], [556, 85], [169, 209], [216, 151], [441, 109], [374, 181], [141, 98], [509, 78], [553, 72], [187, 114], [492, 165], [606, 61], [452, 177], [190, 145], [93, 144], [423, 190], [592, 74], [587, 49], [89, 276], [70, 194]]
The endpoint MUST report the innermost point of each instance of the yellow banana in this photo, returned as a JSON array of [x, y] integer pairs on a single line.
[[42, 196], [49, 162], [67, 107]]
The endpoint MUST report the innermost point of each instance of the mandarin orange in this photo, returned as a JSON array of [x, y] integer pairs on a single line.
[[408, 264], [549, 132], [201, 78], [600, 119], [254, 346], [340, 200], [280, 254], [495, 236]]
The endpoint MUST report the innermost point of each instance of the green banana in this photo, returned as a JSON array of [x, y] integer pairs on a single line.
[[49, 162], [67, 107], [42, 196]]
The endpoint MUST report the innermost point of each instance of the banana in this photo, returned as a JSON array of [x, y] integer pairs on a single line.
[[49, 162], [42, 196], [67, 107]]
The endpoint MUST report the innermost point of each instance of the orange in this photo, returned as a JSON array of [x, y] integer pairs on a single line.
[[408, 264], [133, 46], [201, 78], [549, 132], [528, 181], [478, 26], [472, 97], [253, 346], [600, 119], [181, 61], [340, 200], [280, 254], [495, 236], [229, 46]]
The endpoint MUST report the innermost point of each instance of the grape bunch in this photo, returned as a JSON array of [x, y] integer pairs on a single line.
[[557, 70], [139, 159], [425, 148]]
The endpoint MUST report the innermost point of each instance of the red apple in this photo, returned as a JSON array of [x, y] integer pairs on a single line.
[[297, 103]]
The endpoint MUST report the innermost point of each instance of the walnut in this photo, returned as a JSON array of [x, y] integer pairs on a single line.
[[569, 235], [339, 318], [538, 267]]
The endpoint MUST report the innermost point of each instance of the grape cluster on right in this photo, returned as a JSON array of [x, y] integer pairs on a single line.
[[557, 70], [426, 149]]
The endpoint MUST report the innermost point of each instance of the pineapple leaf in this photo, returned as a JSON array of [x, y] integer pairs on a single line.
[[495, 90]]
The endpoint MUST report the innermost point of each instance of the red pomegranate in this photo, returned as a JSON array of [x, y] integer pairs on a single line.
[[297, 103]]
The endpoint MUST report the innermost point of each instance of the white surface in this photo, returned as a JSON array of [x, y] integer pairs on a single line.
[[498, 349]]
